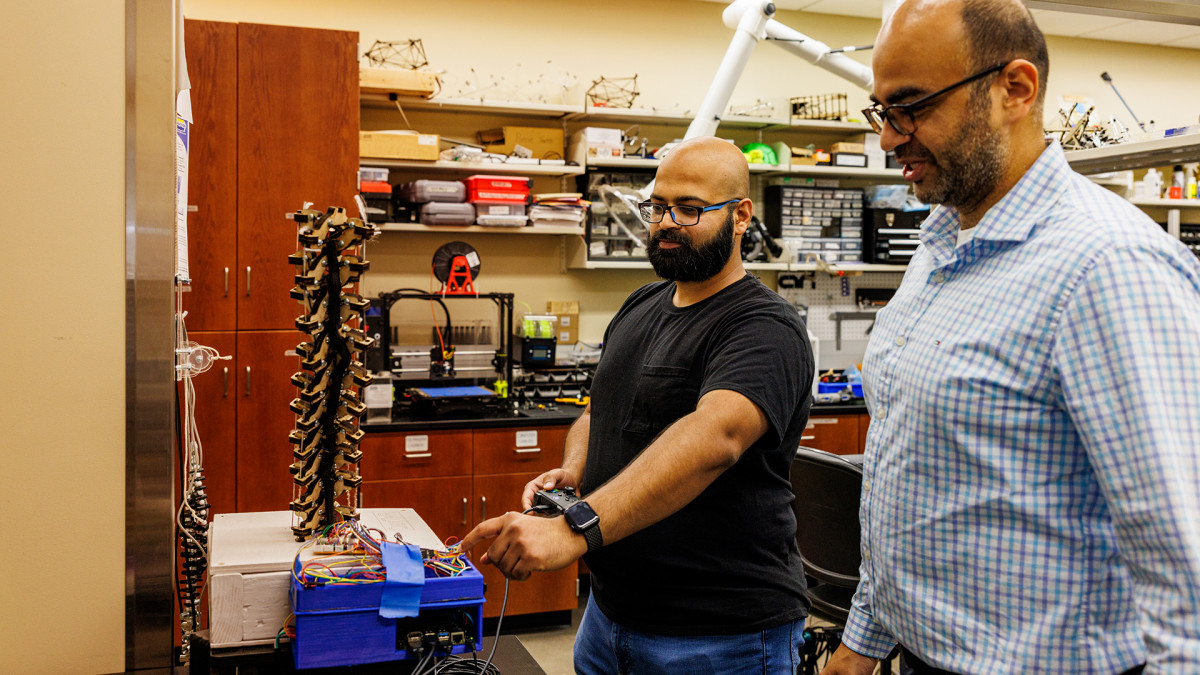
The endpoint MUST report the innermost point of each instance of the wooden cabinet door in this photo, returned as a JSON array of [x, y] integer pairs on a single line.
[[864, 423], [421, 454], [443, 503], [832, 433], [519, 450], [216, 421], [298, 119], [212, 176], [543, 591], [264, 390]]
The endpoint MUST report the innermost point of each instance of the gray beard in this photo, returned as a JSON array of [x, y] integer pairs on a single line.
[[970, 172]]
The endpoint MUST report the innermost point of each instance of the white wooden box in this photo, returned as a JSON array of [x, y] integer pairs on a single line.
[[249, 571]]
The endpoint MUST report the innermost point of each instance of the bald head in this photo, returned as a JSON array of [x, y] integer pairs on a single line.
[[719, 166], [975, 34]]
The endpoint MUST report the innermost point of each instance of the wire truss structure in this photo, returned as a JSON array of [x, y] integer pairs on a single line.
[[617, 92], [819, 107], [329, 404], [407, 54]]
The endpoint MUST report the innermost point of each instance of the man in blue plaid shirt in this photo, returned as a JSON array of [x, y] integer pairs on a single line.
[[1031, 487]]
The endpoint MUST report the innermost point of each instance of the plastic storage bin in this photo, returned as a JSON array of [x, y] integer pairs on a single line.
[[442, 213], [341, 626], [422, 191], [510, 189]]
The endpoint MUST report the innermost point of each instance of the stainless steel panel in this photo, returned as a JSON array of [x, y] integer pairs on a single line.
[[149, 338]]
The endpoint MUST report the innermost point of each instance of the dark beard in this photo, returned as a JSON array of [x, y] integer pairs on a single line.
[[688, 263], [971, 169]]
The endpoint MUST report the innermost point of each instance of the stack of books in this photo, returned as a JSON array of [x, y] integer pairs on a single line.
[[561, 209]]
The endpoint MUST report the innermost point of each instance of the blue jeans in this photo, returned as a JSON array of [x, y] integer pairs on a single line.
[[605, 648]]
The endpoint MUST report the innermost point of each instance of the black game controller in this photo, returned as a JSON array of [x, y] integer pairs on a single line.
[[557, 500]]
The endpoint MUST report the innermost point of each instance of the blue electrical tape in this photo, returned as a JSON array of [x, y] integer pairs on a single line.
[[405, 580]]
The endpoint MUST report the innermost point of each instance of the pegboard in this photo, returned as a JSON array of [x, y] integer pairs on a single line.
[[820, 294]]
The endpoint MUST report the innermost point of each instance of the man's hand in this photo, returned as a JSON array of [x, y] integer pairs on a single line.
[[846, 661], [525, 544], [554, 478]]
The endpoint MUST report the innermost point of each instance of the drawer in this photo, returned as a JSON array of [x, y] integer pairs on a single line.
[[833, 433], [443, 503], [416, 455], [516, 450]]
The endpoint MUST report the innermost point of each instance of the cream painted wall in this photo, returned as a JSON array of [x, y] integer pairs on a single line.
[[674, 46], [62, 406]]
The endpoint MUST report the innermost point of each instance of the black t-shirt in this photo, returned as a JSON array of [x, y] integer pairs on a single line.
[[727, 562]]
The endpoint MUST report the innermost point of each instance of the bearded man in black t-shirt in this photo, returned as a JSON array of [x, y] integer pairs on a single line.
[[683, 456]]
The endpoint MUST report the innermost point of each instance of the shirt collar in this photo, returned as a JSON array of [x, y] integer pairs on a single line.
[[1010, 219]]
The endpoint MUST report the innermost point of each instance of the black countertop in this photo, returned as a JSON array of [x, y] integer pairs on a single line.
[[563, 414], [840, 408], [533, 417]]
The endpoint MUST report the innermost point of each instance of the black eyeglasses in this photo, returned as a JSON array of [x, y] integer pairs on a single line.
[[681, 214], [900, 116]]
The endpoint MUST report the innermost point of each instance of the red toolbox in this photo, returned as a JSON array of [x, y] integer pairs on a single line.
[[505, 189]]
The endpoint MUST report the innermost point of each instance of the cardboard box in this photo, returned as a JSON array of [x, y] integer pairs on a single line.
[[596, 143], [396, 81], [542, 142], [567, 312], [855, 148], [851, 159], [398, 145]]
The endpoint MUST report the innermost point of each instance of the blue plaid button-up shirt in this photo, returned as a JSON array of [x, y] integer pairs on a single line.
[[1031, 488]]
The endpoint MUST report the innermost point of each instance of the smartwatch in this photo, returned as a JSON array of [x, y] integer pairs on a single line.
[[584, 520]]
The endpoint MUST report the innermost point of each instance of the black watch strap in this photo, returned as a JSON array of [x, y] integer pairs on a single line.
[[594, 539]]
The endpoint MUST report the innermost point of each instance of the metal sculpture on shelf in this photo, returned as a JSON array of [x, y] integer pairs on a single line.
[[617, 92], [406, 54], [329, 405]]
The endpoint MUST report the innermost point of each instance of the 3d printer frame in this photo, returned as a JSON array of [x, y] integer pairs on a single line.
[[503, 301]]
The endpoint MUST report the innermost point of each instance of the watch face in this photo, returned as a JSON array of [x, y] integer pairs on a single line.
[[581, 516]]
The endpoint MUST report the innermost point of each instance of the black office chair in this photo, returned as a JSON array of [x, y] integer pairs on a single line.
[[827, 488]]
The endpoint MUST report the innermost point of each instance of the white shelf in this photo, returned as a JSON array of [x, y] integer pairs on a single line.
[[839, 172], [848, 267], [830, 171], [673, 117], [1167, 203], [482, 107], [1137, 155], [475, 167], [480, 229]]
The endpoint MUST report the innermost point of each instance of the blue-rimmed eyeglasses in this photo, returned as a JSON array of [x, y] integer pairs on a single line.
[[681, 214], [900, 116]]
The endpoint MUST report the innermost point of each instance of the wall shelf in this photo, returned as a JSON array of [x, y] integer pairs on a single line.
[[481, 229], [475, 167], [1167, 203], [1136, 155]]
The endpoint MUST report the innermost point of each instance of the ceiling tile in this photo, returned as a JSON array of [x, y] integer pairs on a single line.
[[1192, 42], [1147, 32], [871, 9], [1064, 23]]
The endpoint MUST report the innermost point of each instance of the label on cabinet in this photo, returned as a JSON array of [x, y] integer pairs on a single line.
[[527, 439], [416, 443]]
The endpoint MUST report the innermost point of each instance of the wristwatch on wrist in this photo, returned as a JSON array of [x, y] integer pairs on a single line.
[[584, 520]]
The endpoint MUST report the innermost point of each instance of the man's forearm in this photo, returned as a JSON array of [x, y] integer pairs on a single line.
[[684, 460], [575, 448]]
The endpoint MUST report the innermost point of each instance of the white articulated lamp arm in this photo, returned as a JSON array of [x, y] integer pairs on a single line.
[[752, 21]]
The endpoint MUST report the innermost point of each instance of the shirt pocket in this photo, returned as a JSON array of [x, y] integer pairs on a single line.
[[663, 395]]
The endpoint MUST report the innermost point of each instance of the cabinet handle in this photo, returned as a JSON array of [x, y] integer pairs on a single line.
[[417, 455], [807, 438], [483, 508], [247, 280], [522, 451], [225, 383], [227, 282], [464, 511], [247, 380]]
